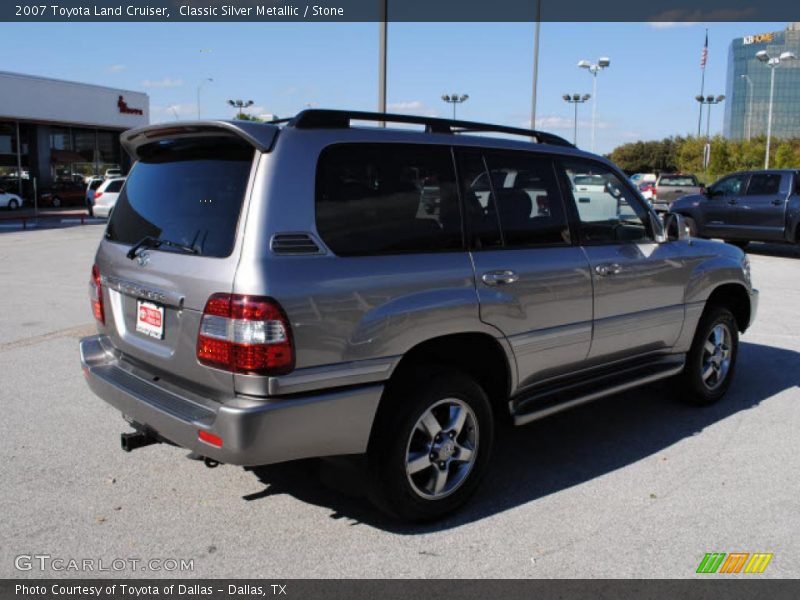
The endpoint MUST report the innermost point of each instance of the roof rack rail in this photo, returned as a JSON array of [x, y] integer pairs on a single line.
[[317, 118]]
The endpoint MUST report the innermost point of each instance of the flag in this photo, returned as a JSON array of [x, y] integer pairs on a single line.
[[704, 56]]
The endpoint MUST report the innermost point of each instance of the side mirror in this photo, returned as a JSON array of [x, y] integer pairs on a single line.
[[675, 228]]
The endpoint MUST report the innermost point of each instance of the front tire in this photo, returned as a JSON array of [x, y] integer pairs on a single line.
[[56, 202], [13, 205], [691, 226], [430, 444], [711, 360]]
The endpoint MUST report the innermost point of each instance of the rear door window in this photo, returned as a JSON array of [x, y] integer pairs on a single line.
[[115, 186], [524, 201], [186, 191], [764, 184], [374, 199]]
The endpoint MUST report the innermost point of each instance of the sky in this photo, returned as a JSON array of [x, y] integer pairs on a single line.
[[647, 92]]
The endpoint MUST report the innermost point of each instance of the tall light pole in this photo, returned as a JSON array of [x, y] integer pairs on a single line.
[[772, 62], [709, 101], [384, 33], [575, 99], [200, 87], [594, 68], [749, 103], [537, 32], [455, 99], [240, 105]]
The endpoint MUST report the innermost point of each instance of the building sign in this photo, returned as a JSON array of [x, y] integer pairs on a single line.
[[759, 38], [125, 109]]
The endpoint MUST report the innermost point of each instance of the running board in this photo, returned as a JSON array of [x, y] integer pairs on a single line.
[[553, 398]]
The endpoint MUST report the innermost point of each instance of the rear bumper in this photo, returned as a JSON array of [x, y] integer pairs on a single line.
[[254, 432]]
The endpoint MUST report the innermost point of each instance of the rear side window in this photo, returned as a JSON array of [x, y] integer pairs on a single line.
[[762, 184], [387, 199], [114, 186], [95, 184], [186, 191]]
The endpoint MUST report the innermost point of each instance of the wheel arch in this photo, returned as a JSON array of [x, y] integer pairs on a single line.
[[734, 297], [480, 355]]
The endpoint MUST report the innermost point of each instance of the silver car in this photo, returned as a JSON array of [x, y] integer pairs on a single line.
[[269, 292]]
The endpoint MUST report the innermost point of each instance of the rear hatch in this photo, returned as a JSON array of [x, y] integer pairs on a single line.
[[186, 197]]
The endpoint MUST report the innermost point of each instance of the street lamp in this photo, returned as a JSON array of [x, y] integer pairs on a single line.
[[772, 62], [749, 103], [594, 69], [708, 101], [455, 99], [575, 99], [240, 105], [200, 87]]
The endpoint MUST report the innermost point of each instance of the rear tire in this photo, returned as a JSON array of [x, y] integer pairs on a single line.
[[56, 201], [711, 361], [12, 205], [430, 444]]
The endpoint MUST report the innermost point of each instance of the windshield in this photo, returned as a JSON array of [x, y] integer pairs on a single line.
[[187, 191]]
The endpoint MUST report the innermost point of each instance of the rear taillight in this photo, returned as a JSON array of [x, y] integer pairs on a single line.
[[96, 295], [97, 195], [245, 334]]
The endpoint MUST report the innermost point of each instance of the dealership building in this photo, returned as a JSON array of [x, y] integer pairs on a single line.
[[53, 130], [748, 86]]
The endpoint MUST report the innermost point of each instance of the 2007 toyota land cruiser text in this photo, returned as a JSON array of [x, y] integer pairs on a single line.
[[269, 292]]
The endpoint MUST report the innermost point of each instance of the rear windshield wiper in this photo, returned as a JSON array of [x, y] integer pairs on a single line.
[[152, 242]]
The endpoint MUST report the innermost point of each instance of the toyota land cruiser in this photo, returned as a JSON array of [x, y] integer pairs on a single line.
[[316, 287]]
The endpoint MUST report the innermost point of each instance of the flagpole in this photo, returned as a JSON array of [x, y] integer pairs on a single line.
[[702, 84]]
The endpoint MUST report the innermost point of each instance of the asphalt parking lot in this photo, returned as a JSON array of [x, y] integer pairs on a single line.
[[637, 485]]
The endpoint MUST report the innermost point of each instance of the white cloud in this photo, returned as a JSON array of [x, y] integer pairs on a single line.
[[412, 107], [559, 122], [166, 82], [671, 24], [173, 112], [116, 68]]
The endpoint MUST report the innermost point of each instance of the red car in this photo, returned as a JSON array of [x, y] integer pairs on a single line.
[[64, 193]]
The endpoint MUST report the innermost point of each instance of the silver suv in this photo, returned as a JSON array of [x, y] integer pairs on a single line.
[[269, 292]]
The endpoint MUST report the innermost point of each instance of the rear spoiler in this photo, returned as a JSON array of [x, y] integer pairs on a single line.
[[259, 135]]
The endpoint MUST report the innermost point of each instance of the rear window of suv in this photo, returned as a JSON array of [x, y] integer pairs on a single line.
[[186, 191], [675, 180], [115, 186]]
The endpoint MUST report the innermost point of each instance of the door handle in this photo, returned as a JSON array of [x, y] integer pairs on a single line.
[[503, 277], [610, 269], [777, 201], [731, 202]]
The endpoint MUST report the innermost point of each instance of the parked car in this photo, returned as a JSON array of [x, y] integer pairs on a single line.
[[113, 173], [9, 200], [671, 186], [746, 206], [270, 292], [62, 193], [648, 190], [105, 198], [91, 187]]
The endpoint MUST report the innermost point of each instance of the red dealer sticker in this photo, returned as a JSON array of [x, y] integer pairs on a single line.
[[150, 319]]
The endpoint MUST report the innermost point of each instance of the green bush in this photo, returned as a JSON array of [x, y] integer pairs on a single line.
[[686, 155]]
